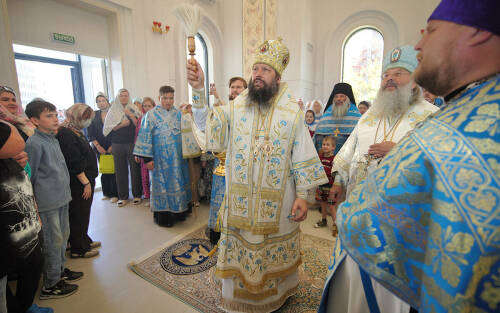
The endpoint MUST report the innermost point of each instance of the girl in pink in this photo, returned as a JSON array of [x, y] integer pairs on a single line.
[[147, 104]]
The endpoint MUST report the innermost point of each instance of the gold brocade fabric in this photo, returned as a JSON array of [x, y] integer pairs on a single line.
[[220, 170]]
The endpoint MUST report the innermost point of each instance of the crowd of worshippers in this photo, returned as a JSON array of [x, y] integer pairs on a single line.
[[49, 169]]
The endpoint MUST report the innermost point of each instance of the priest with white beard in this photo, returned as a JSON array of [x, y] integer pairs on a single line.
[[339, 118], [399, 106]]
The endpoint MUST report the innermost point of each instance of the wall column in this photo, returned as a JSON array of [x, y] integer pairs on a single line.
[[7, 63]]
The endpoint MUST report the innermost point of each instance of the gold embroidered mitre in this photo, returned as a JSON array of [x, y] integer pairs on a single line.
[[273, 53]]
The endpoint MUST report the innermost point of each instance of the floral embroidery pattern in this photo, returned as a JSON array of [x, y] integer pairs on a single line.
[[448, 252], [254, 262], [487, 119], [363, 234]]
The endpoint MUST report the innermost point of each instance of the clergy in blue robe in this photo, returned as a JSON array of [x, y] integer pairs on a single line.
[[159, 142], [426, 223], [340, 117]]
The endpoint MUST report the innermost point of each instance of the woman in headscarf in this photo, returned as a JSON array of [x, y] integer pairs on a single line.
[[120, 124], [82, 167], [102, 145], [24, 257], [317, 108], [138, 104], [12, 112]]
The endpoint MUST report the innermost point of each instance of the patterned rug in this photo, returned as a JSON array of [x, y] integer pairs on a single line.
[[183, 270]]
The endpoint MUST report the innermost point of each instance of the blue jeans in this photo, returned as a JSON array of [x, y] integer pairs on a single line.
[[55, 228], [3, 293]]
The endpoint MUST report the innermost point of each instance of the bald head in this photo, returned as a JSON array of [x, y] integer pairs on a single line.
[[452, 55]]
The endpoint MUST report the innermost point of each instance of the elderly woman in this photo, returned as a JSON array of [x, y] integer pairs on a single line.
[[102, 145], [12, 112], [120, 124], [82, 167]]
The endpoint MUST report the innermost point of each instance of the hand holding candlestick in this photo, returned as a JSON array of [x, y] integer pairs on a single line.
[[190, 17]]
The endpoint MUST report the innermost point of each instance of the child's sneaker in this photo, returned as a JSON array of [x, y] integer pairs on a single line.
[[321, 223], [36, 309], [59, 290], [335, 231], [71, 276]]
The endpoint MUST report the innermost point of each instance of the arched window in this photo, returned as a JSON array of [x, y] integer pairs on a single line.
[[202, 58], [362, 62]]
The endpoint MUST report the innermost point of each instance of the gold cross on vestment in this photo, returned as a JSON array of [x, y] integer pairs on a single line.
[[336, 132]]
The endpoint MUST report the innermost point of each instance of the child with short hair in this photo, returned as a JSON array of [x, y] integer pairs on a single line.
[[310, 122], [323, 192], [50, 180]]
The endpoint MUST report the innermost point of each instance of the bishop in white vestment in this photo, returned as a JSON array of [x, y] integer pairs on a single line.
[[271, 164]]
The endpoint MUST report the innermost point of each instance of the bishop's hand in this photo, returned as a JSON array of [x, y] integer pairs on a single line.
[[195, 75], [380, 150], [299, 210]]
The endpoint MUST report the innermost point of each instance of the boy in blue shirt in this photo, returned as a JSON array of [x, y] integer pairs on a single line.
[[50, 180]]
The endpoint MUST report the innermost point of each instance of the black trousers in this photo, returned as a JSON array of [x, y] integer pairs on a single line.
[[28, 278], [108, 183], [79, 219], [122, 154]]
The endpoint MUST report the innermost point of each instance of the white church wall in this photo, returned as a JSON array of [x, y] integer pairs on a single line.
[[7, 65], [140, 60], [33, 21], [119, 30], [399, 21], [295, 27], [232, 52]]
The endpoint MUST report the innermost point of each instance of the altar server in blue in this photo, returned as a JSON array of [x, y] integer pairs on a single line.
[[339, 118], [159, 143], [426, 223]]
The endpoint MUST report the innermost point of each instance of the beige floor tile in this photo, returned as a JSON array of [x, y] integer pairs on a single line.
[[127, 234]]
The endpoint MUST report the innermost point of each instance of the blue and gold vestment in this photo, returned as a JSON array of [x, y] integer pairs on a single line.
[[160, 139], [426, 223]]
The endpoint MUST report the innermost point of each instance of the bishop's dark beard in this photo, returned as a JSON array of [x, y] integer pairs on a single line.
[[263, 95]]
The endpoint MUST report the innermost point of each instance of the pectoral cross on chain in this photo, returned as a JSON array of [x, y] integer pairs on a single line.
[[363, 168], [336, 132]]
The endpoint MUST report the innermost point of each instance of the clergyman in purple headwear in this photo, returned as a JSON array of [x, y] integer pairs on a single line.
[[425, 224]]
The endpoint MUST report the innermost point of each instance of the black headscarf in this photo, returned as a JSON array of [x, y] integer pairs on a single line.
[[343, 88]]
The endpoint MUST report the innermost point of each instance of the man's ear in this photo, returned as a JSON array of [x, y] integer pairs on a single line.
[[477, 37]]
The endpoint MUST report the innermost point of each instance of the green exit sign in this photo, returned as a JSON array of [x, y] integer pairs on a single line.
[[63, 38]]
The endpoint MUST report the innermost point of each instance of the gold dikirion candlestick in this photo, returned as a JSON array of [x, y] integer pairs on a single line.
[[190, 17], [191, 47]]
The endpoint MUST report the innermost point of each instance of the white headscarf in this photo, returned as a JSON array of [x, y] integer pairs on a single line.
[[117, 113]]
